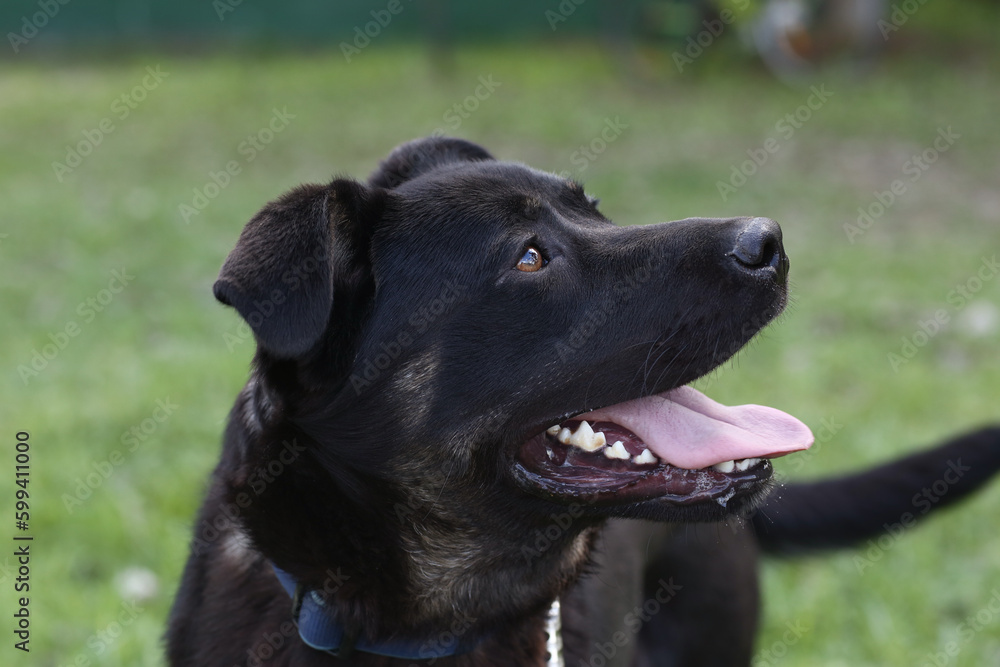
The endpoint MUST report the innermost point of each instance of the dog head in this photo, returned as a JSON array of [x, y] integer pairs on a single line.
[[464, 328]]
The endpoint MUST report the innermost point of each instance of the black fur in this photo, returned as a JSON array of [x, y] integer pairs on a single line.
[[403, 363], [847, 510]]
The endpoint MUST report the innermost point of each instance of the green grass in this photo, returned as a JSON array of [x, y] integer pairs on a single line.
[[162, 336]]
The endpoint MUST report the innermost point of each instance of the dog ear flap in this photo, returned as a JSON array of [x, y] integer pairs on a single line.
[[281, 276], [420, 156]]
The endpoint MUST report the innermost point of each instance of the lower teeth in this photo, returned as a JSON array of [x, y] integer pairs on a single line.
[[739, 465]]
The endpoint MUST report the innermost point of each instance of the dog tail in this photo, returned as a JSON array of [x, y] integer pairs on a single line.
[[844, 511]]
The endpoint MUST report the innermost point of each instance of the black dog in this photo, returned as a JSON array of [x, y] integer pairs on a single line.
[[466, 377]]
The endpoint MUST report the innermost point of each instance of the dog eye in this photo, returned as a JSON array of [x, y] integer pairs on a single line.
[[532, 260]]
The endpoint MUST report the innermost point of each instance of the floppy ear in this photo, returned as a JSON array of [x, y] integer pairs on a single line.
[[283, 273], [409, 160]]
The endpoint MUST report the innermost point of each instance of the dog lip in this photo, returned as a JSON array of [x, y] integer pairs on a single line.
[[579, 476], [663, 483]]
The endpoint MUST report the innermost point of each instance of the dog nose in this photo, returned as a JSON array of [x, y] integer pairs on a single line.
[[758, 248]]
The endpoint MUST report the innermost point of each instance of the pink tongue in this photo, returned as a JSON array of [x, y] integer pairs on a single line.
[[689, 430]]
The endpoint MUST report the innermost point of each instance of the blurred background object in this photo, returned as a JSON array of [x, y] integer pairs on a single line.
[[789, 35]]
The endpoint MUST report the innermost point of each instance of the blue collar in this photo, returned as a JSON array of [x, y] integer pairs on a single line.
[[319, 629]]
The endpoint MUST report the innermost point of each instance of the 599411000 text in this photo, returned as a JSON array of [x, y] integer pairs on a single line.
[[22, 542]]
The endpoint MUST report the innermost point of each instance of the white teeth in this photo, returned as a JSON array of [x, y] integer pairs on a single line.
[[739, 465], [725, 466], [589, 440], [586, 439], [617, 451], [646, 457]]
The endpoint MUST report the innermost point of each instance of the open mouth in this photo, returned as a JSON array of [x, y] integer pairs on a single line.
[[679, 446]]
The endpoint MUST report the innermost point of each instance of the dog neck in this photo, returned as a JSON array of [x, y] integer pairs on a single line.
[[417, 566], [321, 630]]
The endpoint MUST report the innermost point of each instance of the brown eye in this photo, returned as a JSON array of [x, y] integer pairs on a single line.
[[532, 260]]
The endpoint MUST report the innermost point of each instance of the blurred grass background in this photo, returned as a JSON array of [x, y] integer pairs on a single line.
[[162, 337]]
